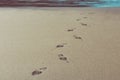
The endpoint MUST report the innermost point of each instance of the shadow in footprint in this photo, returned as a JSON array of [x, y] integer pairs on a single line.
[[59, 46], [70, 30], [36, 72]]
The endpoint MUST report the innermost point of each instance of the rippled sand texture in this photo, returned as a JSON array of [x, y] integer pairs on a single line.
[[60, 44]]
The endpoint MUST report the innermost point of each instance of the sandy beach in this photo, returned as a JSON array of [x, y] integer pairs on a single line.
[[59, 43]]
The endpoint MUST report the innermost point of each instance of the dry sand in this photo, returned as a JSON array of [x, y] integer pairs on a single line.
[[60, 44]]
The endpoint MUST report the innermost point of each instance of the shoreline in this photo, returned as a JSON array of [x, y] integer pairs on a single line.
[[59, 43]]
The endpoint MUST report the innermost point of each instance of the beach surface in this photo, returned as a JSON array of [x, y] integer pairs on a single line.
[[59, 44]]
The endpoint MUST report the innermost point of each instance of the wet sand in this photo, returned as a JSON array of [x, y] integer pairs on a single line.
[[59, 44]]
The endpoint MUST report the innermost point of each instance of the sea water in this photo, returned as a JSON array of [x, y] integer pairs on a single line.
[[108, 3], [102, 3]]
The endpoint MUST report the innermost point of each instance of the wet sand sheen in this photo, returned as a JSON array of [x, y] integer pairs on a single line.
[[70, 43]]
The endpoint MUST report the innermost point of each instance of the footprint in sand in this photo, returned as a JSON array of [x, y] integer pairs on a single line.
[[77, 37], [38, 72], [84, 24], [70, 30], [43, 68], [85, 17], [63, 58], [91, 13], [78, 19], [61, 45]]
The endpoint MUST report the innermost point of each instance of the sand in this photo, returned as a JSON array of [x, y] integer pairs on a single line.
[[59, 44]]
